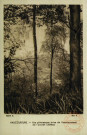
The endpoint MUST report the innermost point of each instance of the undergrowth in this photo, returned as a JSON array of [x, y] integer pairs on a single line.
[[59, 102]]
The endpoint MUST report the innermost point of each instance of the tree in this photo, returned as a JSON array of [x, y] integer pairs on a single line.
[[11, 42], [52, 53], [54, 44], [35, 48], [75, 58], [52, 15]]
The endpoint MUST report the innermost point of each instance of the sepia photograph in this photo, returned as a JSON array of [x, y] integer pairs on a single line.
[[43, 59]]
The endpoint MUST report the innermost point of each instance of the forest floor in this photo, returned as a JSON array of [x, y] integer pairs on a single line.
[[59, 102]]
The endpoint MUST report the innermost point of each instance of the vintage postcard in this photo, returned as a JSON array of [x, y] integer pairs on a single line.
[[43, 67]]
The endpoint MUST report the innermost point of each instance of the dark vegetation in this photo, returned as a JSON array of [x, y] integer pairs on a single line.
[[61, 102], [49, 81]]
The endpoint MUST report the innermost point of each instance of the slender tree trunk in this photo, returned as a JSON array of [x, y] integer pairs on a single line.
[[51, 71], [35, 48], [51, 65], [75, 66]]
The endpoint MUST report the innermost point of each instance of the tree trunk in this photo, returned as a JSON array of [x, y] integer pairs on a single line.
[[51, 71], [75, 66], [35, 48], [52, 51]]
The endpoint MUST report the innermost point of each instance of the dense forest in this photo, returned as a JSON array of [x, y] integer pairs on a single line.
[[43, 59]]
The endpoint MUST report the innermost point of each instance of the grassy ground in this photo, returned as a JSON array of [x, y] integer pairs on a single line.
[[59, 102]]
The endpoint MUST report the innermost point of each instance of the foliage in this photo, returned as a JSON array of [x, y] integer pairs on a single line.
[[59, 34]]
